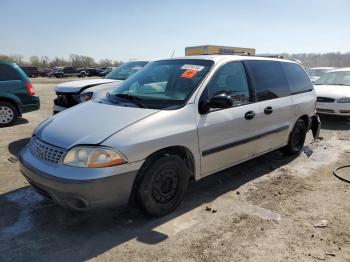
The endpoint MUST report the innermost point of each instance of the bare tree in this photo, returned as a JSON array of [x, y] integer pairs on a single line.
[[44, 61], [34, 61], [105, 63], [18, 59], [117, 63], [7, 58]]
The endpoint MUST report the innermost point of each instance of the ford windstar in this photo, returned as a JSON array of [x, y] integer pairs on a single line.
[[175, 120]]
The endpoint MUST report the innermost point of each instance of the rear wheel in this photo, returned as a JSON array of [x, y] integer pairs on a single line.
[[8, 114], [163, 186], [296, 138]]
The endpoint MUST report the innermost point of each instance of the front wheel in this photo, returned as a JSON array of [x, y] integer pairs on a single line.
[[163, 185], [8, 114], [296, 138]]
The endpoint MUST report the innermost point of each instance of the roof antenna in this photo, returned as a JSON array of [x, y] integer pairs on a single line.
[[172, 55]]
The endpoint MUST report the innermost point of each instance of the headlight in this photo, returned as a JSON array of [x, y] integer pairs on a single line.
[[343, 100], [85, 97], [93, 157]]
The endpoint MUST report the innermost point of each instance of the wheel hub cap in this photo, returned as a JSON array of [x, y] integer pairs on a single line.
[[6, 114], [165, 186]]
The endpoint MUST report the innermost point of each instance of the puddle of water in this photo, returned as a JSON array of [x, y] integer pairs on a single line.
[[24, 198]]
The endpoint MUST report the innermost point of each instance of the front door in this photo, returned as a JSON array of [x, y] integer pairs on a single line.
[[225, 134]]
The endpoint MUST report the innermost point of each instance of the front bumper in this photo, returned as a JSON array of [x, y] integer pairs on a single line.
[[79, 194], [340, 109]]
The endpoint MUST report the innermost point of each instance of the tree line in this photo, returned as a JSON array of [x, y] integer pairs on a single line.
[[328, 59], [314, 59], [308, 59], [74, 60]]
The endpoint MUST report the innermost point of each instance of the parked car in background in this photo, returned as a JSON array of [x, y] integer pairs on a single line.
[[69, 71], [16, 94], [316, 72], [333, 92], [93, 71], [72, 93], [45, 72], [30, 71], [106, 71], [175, 120]]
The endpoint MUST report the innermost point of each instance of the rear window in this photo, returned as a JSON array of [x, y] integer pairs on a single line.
[[8, 73], [268, 79], [298, 80]]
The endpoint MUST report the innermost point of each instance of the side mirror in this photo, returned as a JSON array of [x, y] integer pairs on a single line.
[[221, 101], [218, 101]]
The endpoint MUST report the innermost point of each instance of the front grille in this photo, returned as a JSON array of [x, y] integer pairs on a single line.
[[46, 152], [66, 99], [325, 99], [344, 111]]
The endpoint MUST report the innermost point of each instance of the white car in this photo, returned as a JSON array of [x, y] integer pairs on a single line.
[[316, 72], [333, 92], [72, 93]]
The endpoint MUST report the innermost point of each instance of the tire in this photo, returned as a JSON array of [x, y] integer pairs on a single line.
[[296, 138], [8, 114], [163, 185]]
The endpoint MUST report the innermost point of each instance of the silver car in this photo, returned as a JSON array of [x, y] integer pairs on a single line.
[[174, 120]]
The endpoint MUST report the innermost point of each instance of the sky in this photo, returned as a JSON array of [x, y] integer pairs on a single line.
[[151, 29]]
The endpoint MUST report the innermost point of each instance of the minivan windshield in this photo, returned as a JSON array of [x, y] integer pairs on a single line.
[[126, 70], [162, 84], [335, 78]]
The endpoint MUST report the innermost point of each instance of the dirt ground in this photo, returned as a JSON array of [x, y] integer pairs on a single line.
[[266, 209]]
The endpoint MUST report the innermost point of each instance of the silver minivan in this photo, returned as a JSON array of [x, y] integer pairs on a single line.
[[175, 120]]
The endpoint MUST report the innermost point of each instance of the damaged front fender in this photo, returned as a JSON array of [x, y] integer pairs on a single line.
[[315, 126]]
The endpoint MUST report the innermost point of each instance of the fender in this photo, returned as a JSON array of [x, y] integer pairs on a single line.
[[12, 98]]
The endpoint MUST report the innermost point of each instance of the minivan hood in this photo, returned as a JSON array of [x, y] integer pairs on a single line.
[[88, 123], [332, 91], [77, 86]]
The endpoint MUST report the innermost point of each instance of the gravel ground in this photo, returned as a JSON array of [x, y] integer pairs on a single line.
[[273, 208]]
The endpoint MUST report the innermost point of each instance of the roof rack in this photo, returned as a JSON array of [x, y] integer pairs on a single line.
[[248, 54]]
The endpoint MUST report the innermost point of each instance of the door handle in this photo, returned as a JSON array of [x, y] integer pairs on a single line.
[[249, 115], [268, 110]]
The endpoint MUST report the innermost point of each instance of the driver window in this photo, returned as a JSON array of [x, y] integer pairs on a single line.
[[230, 79]]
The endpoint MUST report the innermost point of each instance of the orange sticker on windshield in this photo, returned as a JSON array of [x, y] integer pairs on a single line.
[[189, 73]]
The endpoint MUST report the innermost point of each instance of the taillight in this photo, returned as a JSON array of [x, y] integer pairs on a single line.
[[30, 88]]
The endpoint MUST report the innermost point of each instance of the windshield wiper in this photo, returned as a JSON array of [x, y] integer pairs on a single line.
[[134, 99]]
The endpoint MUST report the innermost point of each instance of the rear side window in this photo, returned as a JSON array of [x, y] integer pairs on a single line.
[[268, 79], [298, 80], [8, 73]]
